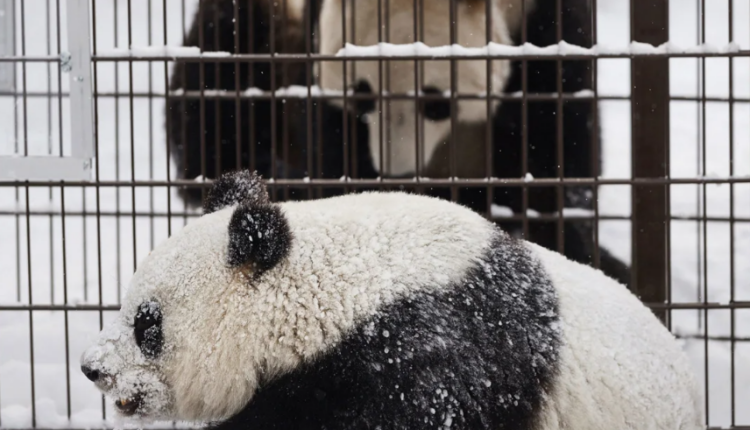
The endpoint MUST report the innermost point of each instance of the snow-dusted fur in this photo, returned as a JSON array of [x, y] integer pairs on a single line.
[[223, 333], [619, 367], [472, 75], [533, 340]]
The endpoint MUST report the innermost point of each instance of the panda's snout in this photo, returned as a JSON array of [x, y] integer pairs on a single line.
[[92, 374]]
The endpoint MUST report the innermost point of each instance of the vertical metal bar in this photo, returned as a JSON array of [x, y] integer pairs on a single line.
[[217, 103], [381, 111], [650, 139], [202, 78], [732, 316], [28, 220], [252, 141], [272, 59], [524, 124], [417, 153], [354, 120], [31, 302], [453, 25], [308, 81], [698, 267], [98, 199], [81, 114], [595, 141], [132, 136], [704, 219], [237, 102], [62, 217], [118, 247], [345, 84], [488, 124], [48, 35], [285, 103], [7, 45], [167, 128], [560, 149], [65, 295], [15, 150], [151, 128]]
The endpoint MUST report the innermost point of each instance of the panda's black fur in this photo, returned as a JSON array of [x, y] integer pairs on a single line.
[[227, 146], [327, 126], [424, 360]]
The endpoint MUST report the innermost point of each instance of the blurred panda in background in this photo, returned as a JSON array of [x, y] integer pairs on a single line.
[[395, 125], [347, 141]]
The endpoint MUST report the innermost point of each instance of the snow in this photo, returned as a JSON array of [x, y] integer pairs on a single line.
[[419, 49], [697, 257], [156, 51]]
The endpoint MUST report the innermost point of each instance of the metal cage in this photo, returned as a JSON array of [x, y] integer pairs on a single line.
[[83, 127]]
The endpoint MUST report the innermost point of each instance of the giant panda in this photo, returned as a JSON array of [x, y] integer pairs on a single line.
[[241, 136], [237, 136], [399, 156], [381, 310]]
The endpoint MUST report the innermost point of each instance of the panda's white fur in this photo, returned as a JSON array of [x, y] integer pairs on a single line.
[[400, 155], [348, 258], [228, 331], [617, 359]]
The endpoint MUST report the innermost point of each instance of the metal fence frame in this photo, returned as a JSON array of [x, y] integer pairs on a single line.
[[77, 63]]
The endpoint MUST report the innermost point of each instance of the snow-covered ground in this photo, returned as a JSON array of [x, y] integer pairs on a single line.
[[102, 256]]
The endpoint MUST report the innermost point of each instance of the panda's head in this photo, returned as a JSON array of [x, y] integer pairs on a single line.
[[159, 358], [399, 117]]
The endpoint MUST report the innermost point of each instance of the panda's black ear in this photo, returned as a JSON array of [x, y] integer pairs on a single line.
[[238, 187], [258, 235]]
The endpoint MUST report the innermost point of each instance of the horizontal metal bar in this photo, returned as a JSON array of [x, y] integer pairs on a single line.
[[178, 212], [231, 95], [29, 59], [114, 307], [457, 182], [254, 58], [43, 168], [59, 307]]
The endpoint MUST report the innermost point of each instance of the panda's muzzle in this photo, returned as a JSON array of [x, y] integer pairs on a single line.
[[129, 406]]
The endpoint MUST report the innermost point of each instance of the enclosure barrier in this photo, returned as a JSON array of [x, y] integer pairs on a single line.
[[106, 192]]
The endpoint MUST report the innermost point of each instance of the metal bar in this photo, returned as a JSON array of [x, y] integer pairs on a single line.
[[79, 65], [650, 139], [116, 307], [7, 31], [44, 168], [254, 58], [468, 182]]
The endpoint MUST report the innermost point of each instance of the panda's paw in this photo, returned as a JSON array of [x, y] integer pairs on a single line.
[[237, 187]]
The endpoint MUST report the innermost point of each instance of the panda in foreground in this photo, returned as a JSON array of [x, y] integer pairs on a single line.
[[381, 311]]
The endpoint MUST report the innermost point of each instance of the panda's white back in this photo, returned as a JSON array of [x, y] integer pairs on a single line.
[[620, 368]]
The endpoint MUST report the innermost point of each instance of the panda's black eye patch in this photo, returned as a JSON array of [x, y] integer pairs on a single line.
[[362, 107], [436, 110], [147, 329]]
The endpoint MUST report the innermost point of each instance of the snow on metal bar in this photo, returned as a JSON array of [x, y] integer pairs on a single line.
[[419, 49], [159, 51]]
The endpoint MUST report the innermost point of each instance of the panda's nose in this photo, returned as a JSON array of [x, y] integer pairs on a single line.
[[90, 373]]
